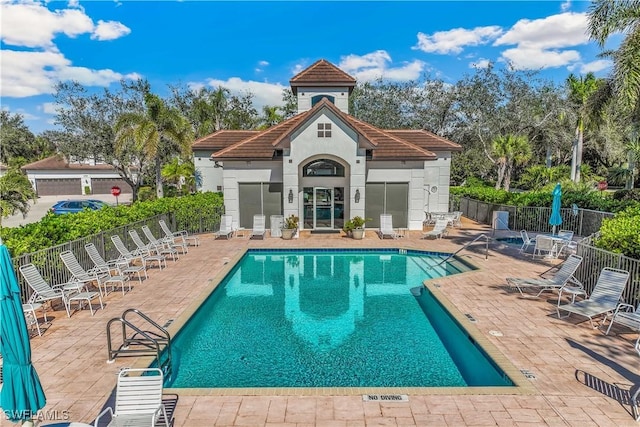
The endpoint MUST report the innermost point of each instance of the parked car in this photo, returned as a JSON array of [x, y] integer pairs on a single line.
[[73, 206]]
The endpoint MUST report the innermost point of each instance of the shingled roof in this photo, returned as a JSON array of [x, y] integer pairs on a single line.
[[384, 144], [59, 162], [322, 73]]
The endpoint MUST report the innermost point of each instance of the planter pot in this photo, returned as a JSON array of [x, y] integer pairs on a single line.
[[358, 233], [288, 233]]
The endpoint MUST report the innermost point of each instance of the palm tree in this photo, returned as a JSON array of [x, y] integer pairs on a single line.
[[15, 193], [580, 90], [607, 17], [270, 117], [156, 133], [509, 151], [179, 172]]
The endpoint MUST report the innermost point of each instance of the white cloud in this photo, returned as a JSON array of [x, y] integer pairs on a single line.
[[375, 65], [109, 30], [263, 63], [264, 93], [31, 24], [540, 42], [297, 68], [35, 73], [49, 108], [480, 63], [591, 67], [538, 59], [453, 41], [565, 6], [555, 31]]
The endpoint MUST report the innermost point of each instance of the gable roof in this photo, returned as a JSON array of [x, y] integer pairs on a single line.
[[322, 73], [59, 162], [384, 144], [222, 139]]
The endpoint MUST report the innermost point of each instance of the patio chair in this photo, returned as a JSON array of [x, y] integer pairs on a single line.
[[603, 299], [626, 315], [160, 249], [166, 246], [67, 292], [561, 278], [526, 241], [545, 246], [146, 250], [121, 266], [138, 399], [181, 235], [126, 254], [226, 227], [386, 227], [259, 225], [439, 229], [101, 277]]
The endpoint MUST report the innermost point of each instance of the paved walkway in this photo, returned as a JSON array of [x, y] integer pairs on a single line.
[[580, 377]]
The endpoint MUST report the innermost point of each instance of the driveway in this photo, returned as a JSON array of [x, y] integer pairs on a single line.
[[44, 203]]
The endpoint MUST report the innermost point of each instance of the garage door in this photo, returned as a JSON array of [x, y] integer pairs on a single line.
[[103, 185], [58, 186]]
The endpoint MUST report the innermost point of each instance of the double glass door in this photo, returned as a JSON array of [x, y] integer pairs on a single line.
[[323, 207]]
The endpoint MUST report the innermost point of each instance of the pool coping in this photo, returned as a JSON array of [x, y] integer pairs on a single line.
[[521, 387]]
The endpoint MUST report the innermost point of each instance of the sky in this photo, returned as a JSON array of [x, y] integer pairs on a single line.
[[259, 46]]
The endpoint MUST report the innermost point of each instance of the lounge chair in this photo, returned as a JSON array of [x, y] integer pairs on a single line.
[[386, 227], [259, 225], [126, 254], [526, 241], [101, 277], [226, 227], [67, 292], [138, 399], [561, 278], [152, 249], [439, 229], [181, 235], [165, 246], [626, 315], [121, 266], [603, 299]]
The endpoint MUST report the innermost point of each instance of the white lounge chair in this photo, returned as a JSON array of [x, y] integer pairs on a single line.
[[564, 276], [603, 299], [386, 227], [149, 252], [226, 227], [138, 399], [626, 315], [67, 292], [101, 277], [259, 226], [121, 266], [439, 229], [165, 246], [126, 254], [182, 235]]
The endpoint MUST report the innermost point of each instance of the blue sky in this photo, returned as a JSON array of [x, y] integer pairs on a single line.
[[259, 46]]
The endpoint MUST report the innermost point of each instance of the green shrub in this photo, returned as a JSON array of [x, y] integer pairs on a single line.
[[146, 193], [53, 229], [621, 234]]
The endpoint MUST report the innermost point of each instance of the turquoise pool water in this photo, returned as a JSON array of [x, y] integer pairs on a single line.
[[511, 240], [329, 319]]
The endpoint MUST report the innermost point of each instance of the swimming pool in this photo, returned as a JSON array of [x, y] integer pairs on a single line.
[[326, 318]]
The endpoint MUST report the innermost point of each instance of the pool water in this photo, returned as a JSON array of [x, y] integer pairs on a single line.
[[511, 240], [329, 319]]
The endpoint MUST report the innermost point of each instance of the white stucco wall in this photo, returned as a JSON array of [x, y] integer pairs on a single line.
[[341, 146], [211, 176], [341, 97], [438, 173]]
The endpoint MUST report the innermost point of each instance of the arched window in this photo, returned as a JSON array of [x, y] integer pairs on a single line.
[[317, 99], [323, 167]]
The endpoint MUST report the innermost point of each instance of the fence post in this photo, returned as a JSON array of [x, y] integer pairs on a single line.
[[580, 225]]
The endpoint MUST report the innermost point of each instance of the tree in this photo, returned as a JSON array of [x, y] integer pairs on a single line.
[[17, 141], [270, 117], [509, 151], [15, 193], [179, 173], [580, 90], [87, 120], [608, 17], [156, 133]]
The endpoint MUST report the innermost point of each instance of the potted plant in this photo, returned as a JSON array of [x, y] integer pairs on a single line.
[[355, 227], [290, 227]]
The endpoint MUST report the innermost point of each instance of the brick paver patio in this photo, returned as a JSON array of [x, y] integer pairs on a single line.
[[582, 377]]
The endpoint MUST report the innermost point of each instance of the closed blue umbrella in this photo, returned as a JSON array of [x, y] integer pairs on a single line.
[[22, 395], [555, 219]]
